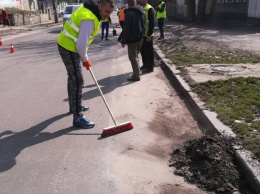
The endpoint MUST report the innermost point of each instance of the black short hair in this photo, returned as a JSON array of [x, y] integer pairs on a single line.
[[110, 2]]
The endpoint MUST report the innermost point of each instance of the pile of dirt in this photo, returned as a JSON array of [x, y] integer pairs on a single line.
[[209, 162]]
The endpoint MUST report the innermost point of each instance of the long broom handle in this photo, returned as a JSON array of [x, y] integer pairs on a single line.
[[92, 74]]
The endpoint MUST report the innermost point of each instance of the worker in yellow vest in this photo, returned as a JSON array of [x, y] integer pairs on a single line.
[[105, 25], [161, 15], [73, 42], [147, 45]]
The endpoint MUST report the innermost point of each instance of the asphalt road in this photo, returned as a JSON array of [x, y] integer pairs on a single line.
[[40, 151]]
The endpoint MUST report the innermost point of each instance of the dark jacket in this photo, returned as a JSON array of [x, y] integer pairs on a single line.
[[133, 29]]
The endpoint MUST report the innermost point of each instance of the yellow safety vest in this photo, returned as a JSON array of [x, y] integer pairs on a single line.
[[161, 14], [105, 20], [146, 8], [69, 35]]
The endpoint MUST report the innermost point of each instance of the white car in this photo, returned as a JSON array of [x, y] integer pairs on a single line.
[[69, 9]]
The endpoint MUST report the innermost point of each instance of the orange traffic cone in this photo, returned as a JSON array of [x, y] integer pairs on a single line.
[[1, 42], [12, 48]]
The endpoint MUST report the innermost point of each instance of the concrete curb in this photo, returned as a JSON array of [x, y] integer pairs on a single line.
[[208, 119]]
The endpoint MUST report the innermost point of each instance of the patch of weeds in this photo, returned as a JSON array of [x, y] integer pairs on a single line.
[[237, 103], [187, 57]]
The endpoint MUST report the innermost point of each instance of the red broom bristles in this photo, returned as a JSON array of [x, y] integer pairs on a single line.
[[117, 129]]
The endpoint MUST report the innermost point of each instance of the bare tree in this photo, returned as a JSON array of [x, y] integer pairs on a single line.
[[191, 10], [201, 11]]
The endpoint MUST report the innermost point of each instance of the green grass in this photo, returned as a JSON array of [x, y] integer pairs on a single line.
[[185, 57], [237, 103]]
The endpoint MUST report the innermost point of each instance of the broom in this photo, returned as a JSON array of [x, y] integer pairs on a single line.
[[118, 128]]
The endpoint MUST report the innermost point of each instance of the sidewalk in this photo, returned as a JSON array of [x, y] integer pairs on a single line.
[[18, 29], [245, 37], [236, 37]]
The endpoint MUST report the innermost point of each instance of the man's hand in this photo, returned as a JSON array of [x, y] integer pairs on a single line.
[[87, 64], [148, 39], [123, 45]]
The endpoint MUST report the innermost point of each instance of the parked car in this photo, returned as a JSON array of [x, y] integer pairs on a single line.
[[69, 9]]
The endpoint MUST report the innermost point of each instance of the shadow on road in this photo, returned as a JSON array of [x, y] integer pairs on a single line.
[[107, 85], [11, 146], [56, 31]]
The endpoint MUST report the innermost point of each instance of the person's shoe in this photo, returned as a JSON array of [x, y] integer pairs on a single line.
[[149, 70], [160, 38], [107, 39], [133, 79], [84, 108], [83, 122], [101, 38]]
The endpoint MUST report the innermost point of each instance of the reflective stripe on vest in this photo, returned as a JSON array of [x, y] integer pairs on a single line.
[[73, 25], [69, 35], [161, 14], [66, 33], [146, 8]]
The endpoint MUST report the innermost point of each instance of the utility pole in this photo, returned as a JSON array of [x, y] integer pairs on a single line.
[[55, 11]]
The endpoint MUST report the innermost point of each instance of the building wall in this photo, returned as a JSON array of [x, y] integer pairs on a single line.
[[179, 8], [254, 9], [7, 3], [20, 4], [231, 9]]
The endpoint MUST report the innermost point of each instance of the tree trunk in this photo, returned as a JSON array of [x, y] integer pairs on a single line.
[[191, 10], [201, 11]]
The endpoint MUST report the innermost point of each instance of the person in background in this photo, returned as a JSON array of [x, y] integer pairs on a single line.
[[147, 45], [5, 18], [118, 12], [161, 15], [121, 18], [73, 41], [132, 35], [105, 25]]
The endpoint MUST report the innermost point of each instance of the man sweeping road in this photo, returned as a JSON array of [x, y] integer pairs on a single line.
[[73, 42]]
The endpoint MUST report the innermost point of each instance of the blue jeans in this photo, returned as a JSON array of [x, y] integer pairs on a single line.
[[105, 25]]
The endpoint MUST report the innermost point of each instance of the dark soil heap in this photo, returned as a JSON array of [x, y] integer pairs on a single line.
[[209, 162]]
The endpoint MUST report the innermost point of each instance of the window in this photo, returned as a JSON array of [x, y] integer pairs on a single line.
[[240, 1], [229, 1], [221, 1]]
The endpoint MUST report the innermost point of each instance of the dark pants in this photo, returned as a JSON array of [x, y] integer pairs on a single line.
[[147, 54], [120, 35], [121, 24], [6, 22], [105, 25], [75, 80], [160, 25], [133, 52]]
